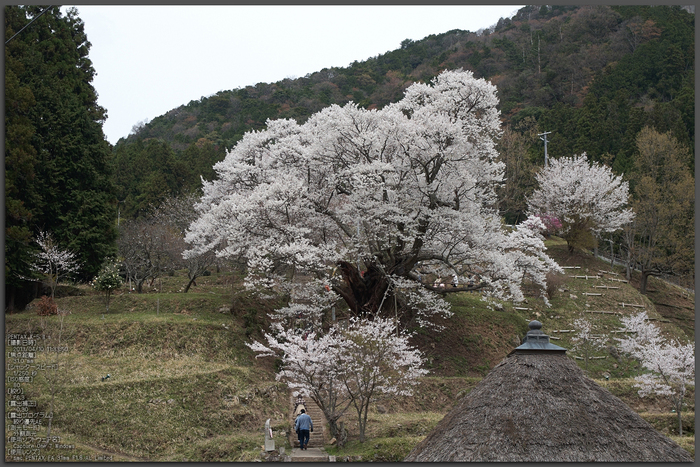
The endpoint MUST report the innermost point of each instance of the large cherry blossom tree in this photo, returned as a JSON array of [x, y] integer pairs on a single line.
[[362, 202], [586, 197]]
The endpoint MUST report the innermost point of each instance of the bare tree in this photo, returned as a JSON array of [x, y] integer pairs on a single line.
[[56, 333], [146, 247], [584, 339], [197, 266], [178, 213], [638, 32]]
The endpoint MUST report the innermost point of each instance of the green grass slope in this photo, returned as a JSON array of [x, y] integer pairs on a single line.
[[182, 384]]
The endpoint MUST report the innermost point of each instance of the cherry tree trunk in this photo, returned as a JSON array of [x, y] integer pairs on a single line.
[[189, 284], [363, 292], [644, 280]]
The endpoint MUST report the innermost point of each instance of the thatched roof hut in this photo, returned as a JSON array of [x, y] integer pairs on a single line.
[[538, 406]]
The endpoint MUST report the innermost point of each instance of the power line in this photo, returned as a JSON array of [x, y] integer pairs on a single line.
[[27, 25]]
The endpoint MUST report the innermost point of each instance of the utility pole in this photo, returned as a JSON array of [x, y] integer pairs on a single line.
[[545, 145]]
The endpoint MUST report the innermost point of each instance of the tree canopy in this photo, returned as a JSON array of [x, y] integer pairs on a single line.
[[586, 197], [57, 174], [663, 239], [365, 201]]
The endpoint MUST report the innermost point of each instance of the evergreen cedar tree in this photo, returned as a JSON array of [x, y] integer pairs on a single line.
[[395, 192], [57, 172]]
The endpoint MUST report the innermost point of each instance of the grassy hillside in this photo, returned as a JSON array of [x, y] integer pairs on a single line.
[[183, 386], [481, 334]]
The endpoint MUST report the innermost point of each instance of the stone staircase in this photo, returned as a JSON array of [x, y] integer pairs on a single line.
[[316, 438]]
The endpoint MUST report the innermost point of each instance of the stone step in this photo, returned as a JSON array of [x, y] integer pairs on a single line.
[[315, 440], [309, 455]]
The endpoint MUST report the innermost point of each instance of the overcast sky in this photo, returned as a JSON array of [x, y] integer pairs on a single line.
[[151, 59]]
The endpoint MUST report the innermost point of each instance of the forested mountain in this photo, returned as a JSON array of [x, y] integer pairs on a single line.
[[594, 76]]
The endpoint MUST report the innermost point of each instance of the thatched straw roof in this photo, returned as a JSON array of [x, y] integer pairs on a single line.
[[540, 407]]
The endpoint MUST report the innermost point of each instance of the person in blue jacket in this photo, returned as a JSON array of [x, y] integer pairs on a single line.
[[303, 426]]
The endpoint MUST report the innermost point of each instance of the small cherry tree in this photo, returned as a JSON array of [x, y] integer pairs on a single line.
[[52, 262], [584, 339], [377, 364], [311, 365], [671, 364], [354, 366], [108, 279], [585, 197]]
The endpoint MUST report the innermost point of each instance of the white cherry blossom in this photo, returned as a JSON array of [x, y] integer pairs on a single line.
[[384, 192], [670, 363], [586, 197]]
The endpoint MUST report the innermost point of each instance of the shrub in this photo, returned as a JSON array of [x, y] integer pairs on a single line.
[[554, 282], [108, 279], [46, 307], [251, 322]]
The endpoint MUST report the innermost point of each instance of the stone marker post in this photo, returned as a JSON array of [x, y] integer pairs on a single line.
[[269, 442]]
